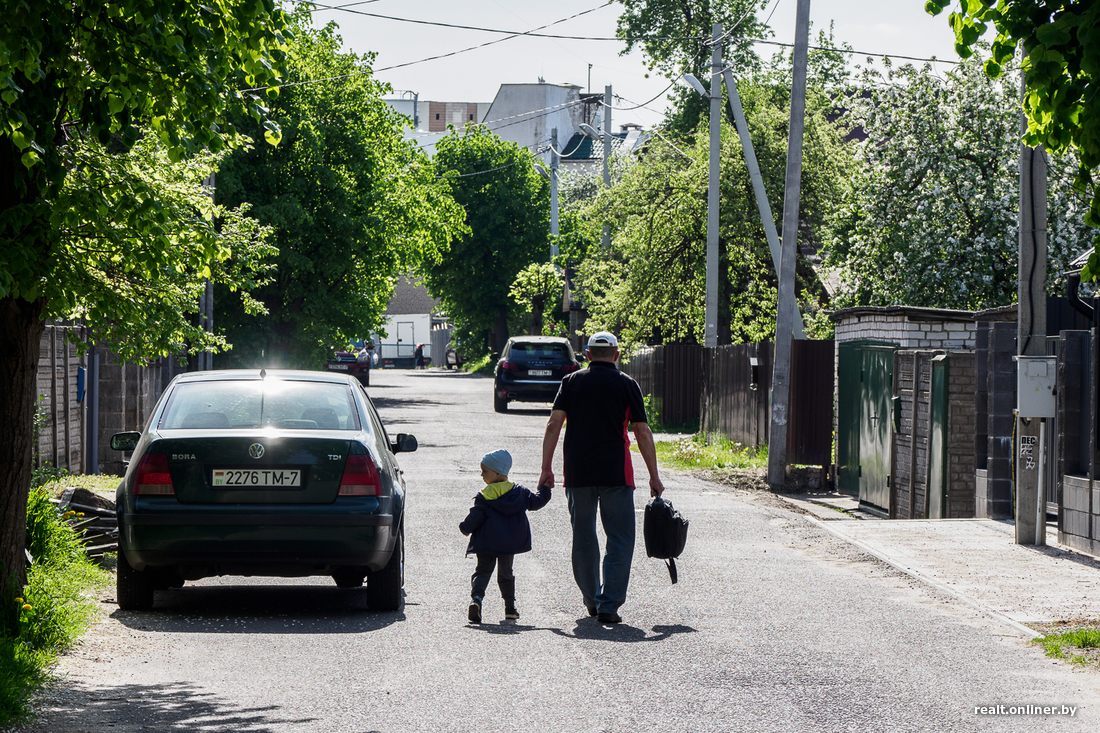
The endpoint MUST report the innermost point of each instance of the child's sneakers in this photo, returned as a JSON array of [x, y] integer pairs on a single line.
[[475, 612], [510, 612]]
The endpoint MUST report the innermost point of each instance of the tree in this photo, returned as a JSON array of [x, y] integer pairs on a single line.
[[651, 284], [674, 36], [1061, 64], [931, 216], [353, 205], [537, 292], [76, 68], [507, 208]]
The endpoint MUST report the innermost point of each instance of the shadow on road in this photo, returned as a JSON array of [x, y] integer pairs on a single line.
[[588, 629], [257, 609], [175, 706]]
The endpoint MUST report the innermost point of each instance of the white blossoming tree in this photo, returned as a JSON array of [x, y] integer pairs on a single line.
[[931, 216]]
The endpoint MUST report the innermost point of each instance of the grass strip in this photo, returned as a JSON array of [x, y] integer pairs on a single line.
[[1078, 646], [55, 607], [709, 452]]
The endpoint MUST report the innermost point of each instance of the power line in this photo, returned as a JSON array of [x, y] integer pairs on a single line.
[[532, 33], [853, 52], [318, 8]]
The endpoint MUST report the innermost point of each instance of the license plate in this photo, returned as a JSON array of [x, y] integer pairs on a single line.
[[538, 372], [257, 478], [340, 367]]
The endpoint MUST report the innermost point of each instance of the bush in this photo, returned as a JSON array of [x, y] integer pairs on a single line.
[[53, 611]]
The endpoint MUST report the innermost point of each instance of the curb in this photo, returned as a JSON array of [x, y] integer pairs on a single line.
[[1015, 625]]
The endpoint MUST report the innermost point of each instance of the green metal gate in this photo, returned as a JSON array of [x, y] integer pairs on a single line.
[[865, 375], [937, 452]]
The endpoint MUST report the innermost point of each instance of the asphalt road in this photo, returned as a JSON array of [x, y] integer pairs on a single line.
[[774, 626]]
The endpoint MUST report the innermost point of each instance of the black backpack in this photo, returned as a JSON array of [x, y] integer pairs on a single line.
[[665, 531]]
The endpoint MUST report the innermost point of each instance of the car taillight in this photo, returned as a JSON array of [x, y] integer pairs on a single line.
[[152, 477], [570, 367], [509, 366], [360, 477]]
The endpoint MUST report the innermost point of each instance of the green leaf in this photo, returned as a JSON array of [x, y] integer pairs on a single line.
[[30, 159], [20, 140], [273, 137]]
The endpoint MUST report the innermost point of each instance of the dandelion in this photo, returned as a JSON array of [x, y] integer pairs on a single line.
[[19, 601], [28, 607]]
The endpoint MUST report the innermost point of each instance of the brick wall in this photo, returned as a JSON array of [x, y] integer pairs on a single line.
[[996, 503], [961, 422], [1079, 517]]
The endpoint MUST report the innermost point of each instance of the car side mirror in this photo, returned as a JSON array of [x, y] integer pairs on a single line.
[[405, 443], [125, 441], [495, 356]]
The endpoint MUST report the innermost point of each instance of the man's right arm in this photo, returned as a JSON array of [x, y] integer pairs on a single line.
[[549, 445]]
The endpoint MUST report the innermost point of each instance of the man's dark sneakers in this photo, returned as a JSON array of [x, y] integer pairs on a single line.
[[511, 613], [591, 610], [609, 618], [475, 612]]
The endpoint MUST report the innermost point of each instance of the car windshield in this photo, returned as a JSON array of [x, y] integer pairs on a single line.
[[242, 404], [521, 351]]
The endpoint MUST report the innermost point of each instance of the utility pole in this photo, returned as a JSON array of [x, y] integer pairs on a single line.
[[1031, 335], [553, 194], [710, 315], [781, 371], [607, 155], [762, 204]]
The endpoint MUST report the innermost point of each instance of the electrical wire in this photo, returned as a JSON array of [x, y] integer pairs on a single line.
[[457, 26], [318, 8], [853, 52], [752, 10]]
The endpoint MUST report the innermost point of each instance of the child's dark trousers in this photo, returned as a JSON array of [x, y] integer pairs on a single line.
[[505, 579]]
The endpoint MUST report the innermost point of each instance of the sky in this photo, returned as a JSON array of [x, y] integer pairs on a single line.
[[898, 27]]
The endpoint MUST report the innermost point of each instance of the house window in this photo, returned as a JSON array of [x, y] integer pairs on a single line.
[[471, 117], [437, 115]]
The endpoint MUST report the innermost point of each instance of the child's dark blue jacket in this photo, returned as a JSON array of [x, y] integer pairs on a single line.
[[499, 526]]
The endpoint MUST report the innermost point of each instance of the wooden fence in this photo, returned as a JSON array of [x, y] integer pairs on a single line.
[[670, 375], [61, 441], [736, 397], [730, 395]]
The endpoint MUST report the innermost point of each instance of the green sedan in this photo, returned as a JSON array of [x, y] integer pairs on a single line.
[[262, 473]]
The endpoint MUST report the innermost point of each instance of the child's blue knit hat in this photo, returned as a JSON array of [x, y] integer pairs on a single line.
[[499, 461]]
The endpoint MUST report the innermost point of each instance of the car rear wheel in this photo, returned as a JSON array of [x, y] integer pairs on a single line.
[[348, 577], [384, 586], [500, 404], [133, 588]]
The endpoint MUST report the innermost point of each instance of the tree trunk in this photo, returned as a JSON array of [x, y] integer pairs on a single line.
[[21, 327], [500, 330]]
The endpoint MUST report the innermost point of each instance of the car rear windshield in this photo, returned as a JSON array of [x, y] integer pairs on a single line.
[[243, 404], [521, 351]]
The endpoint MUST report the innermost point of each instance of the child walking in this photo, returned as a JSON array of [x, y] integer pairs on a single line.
[[499, 530]]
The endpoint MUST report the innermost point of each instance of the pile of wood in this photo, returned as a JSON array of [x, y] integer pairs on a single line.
[[98, 528]]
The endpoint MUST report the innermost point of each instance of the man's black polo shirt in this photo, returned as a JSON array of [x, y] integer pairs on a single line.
[[599, 403]]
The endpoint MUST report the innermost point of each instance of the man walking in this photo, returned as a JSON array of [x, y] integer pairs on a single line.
[[599, 402]]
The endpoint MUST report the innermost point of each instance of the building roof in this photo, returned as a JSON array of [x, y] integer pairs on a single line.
[[410, 297], [913, 313]]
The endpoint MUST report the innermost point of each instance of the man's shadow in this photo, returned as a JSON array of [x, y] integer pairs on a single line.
[[589, 629]]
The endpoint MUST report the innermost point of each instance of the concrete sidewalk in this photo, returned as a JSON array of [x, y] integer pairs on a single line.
[[974, 560]]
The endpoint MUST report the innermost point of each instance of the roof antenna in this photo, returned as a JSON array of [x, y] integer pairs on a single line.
[[263, 373]]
